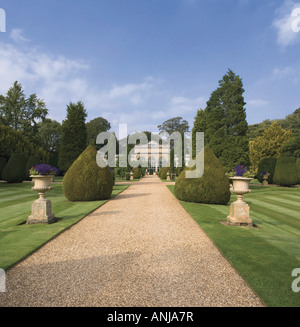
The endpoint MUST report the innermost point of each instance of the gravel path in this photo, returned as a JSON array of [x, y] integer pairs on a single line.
[[139, 249]]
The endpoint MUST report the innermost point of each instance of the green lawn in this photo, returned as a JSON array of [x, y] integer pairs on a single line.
[[18, 241], [265, 256]]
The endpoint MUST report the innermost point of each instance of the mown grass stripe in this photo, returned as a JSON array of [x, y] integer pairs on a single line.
[[287, 211], [288, 202]]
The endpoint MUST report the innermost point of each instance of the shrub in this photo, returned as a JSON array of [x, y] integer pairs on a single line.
[[14, 171], [136, 173], [267, 165], [285, 172], [211, 188], [31, 162], [85, 180], [163, 172], [3, 162]]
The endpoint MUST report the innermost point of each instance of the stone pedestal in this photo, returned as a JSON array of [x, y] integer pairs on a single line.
[[265, 180], [168, 176], [41, 212], [239, 213], [131, 177]]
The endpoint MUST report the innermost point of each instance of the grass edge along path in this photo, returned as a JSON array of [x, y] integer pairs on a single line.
[[266, 256], [19, 240]]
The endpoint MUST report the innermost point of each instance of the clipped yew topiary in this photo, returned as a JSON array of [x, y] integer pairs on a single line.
[[31, 162], [136, 173], [163, 172], [285, 172], [85, 180], [211, 188], [14, 171], [267, 165]]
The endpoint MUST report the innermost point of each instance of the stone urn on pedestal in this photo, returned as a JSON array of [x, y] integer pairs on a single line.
[[168, 176], [265, 179], [240, 210], [42, 177], [131, 175]]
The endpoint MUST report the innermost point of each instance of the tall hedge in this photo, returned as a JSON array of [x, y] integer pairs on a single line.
[[298, 170], [285, 172], [86, 181], [267, 165], [3, 162], [14, 171], [211, 188]]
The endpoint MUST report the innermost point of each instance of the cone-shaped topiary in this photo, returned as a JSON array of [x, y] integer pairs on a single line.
[[85, 180], [298, 170], [285, 172], [14, 171], [31, 162], [136, 173], [211, 188], [267, 165]]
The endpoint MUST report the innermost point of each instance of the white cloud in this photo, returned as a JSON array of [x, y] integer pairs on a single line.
[[283, 23], [58, 80], [17, 35]]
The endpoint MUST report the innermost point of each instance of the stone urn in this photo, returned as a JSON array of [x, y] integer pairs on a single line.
[[265, 179], [41, 212], [168, 176], [131, 175], [240, 210]]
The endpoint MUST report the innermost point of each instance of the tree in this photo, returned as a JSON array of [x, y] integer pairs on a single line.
[[199, 126], [292, 148], [270, 144], [94, 128], [12, 141], [74, 135], [176, 124], [22, 114], [258, 129], [224, 122], [50, 138]]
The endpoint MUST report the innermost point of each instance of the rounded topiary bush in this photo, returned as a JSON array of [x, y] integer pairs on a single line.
[[267, 165], [31, 162], [136, 173], [285, 172], [86, 181], [14, 171], [211, 188]]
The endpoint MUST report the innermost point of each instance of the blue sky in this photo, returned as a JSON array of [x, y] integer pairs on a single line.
[[142, 62]]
